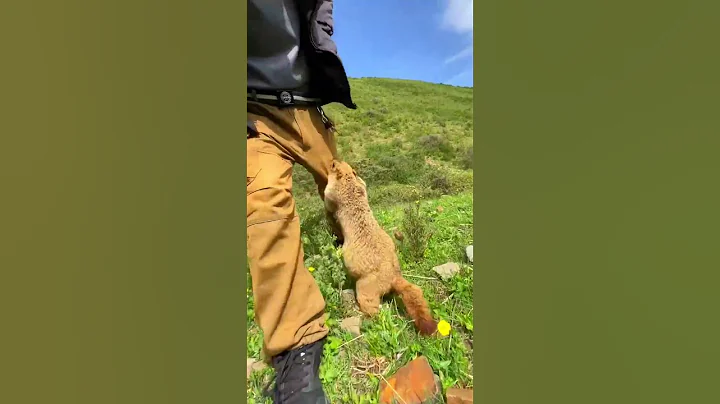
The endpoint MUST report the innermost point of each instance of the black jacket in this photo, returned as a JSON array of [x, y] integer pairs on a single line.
[[328, 80]]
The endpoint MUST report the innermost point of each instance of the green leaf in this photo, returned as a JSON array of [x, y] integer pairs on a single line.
[[334, 342]]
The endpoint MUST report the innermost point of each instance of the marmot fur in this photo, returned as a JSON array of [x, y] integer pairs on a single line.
[[368, 251]]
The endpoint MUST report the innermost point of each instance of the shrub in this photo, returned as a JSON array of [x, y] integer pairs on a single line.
[[436, 145], [439, 181], [448, 181], [416, 230], [466, 158]]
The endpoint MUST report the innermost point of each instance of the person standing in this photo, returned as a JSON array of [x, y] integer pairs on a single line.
[[293, 71]]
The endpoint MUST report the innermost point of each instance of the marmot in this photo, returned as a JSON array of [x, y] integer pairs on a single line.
[[368, 251]]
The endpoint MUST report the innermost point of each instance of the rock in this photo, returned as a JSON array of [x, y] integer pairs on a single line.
[[250, 362], [469, 253], [258, 366], [348, 298], [414, 383], [459, 396], [438, 384], [447, 271], [254, 365], [351, 325]]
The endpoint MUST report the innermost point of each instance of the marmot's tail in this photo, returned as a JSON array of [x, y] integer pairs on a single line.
[[415, 304]]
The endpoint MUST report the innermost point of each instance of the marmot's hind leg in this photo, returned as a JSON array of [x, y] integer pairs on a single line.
[[368, 296]]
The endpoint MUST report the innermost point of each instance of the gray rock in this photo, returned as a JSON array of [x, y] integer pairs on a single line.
[[447, 271], [469, 253], [348, 298], [254, 365], [351, 325], [250, 362], [438, 383]]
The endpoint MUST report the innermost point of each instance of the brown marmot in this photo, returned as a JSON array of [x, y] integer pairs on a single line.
[[368, 251]]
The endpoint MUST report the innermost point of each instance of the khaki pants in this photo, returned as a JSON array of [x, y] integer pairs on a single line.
[[289, 307]]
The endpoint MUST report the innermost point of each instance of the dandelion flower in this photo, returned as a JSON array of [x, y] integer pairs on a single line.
[[311, 269], [443, 327]]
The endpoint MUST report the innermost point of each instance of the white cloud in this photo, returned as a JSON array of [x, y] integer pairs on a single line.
[[458, 16], [467, 52], [453, 80]]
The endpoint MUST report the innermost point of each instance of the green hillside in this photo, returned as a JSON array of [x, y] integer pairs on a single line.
[[397, 124], [412, 143]]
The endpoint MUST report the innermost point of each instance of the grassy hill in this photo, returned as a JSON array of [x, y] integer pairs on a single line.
[[412, 143], [396, 126]]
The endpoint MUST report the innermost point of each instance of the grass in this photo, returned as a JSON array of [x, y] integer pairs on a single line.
[[412, 143]]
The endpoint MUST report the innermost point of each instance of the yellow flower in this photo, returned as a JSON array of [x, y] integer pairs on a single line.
[[311, 269], [443, 327]]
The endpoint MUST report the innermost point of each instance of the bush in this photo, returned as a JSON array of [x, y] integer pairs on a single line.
[[314, 227], [416, 230], [440, 182], [466, 158], [448, 181], [330, 275], [436, 145]]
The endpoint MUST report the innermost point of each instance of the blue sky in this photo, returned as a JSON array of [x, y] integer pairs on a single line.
[[428, 40]]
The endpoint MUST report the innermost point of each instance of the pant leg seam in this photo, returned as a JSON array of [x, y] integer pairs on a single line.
[[303, 143], [289, 218]]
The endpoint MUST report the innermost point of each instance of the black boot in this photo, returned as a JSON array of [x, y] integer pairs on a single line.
[[297, 376]]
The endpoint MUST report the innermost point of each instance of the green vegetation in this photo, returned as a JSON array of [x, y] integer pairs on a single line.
[[412, 143]]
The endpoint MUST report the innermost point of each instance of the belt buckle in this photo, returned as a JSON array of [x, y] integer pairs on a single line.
[[286, 98]]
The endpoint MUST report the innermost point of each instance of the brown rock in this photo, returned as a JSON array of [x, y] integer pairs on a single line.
[[414, 383], [351, 325], [459, 396], [254, 365]]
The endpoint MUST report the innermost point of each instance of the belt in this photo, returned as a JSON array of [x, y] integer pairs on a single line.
[[282, 97]]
